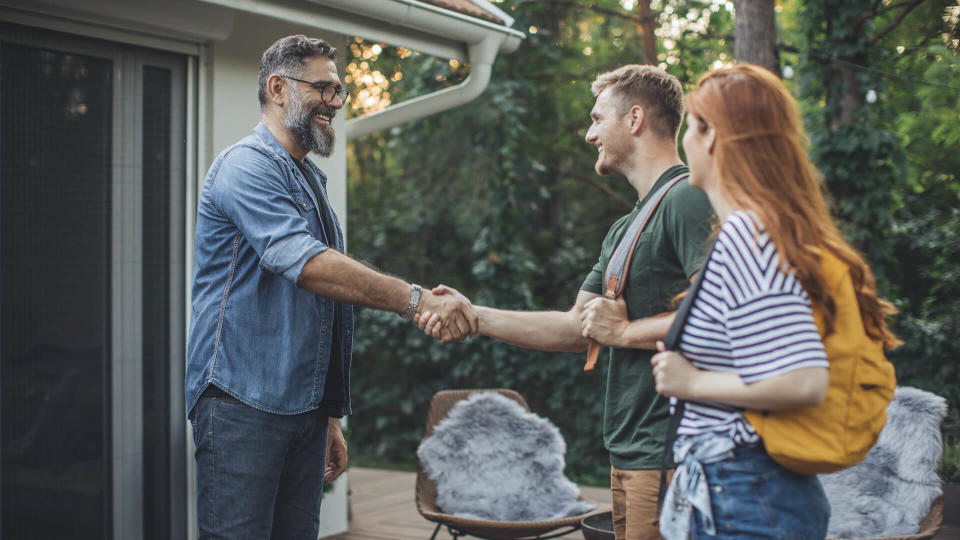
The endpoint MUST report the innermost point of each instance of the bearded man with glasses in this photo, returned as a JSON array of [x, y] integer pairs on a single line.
[[271, 331]]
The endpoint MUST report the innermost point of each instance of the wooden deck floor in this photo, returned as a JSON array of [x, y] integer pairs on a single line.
[[382, 507]]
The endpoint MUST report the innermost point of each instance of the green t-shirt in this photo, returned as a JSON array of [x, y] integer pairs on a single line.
[[670, 250]]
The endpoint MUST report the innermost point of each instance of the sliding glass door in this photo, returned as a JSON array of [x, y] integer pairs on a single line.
[[92, 174], [56, 123]]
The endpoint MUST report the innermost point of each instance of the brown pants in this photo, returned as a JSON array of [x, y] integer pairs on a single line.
[[635, 503]]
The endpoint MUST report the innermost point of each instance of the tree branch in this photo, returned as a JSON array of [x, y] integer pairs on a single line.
[[919, 45], [906, 9], [606, 189], [590, 73], [892, 7], [867, 15], [591, 7], [786, 47]]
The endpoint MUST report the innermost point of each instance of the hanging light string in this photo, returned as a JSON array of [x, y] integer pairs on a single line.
[[895, 76], [872, 70]]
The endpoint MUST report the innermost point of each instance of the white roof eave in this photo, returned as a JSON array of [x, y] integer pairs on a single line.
[[406, 23]]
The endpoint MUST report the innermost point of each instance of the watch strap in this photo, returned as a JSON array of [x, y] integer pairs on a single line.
[[415, 293]]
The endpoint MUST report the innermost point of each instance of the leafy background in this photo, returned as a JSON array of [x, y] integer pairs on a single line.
[[499, 199]]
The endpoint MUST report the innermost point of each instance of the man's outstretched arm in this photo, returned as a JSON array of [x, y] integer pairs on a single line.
[[333, 275], [542, 330]]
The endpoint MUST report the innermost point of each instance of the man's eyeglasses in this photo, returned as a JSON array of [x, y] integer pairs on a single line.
[[326, 89]]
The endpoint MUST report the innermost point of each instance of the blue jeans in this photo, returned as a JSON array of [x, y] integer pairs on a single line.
[[259, 475], [753, 497]]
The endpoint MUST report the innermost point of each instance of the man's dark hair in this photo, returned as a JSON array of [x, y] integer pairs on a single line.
[[287, 56]]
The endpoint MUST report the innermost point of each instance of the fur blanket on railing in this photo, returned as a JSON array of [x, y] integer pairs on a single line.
[[893, 488], [491, 459]]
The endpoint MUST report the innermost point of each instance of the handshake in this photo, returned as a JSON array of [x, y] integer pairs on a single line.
[[447, 315]]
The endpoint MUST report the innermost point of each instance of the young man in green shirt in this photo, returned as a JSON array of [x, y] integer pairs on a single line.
[[636, 118]]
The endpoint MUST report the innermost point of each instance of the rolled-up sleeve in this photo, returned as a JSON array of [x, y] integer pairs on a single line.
[[250, 190]]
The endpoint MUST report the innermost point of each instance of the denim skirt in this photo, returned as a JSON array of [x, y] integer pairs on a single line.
[[754, 497]]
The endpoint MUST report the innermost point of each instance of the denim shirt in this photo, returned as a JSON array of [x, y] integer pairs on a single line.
[[253, 332]]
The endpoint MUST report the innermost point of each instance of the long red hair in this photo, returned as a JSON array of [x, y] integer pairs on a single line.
[[762, 166]]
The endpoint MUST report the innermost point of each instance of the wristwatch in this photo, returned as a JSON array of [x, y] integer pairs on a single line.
[[414, 302]]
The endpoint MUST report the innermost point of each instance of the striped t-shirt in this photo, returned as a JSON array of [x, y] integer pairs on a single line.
[[749, 318]]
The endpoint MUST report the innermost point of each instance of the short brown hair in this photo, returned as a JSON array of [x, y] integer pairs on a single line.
[[658, 92]]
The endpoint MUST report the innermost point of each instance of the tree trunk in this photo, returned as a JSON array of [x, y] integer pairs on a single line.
[[648, 25], [843, 88], [755, 34], [851, 97]]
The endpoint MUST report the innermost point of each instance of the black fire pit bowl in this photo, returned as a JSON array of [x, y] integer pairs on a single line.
[[598, 527]]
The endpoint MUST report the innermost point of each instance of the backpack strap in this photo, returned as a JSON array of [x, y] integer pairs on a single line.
[[615, 274], [666, 460], [672, 343]]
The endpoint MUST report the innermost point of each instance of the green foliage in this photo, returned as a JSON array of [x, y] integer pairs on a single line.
[[891, 166], [861, 160], [499, 199], [928, 279], [950, 463]]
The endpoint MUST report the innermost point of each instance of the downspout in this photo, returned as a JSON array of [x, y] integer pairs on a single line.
[[480, 56], [484, 41]]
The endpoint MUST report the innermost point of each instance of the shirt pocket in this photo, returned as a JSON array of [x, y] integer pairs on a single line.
[[303, 202], [309, 212]]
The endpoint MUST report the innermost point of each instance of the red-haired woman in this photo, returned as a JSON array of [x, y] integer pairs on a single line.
[[750, 341]]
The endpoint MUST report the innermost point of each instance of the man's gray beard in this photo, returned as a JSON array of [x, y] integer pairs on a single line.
[[310, 136]]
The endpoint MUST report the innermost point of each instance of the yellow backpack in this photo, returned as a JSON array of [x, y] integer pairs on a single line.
[[839, 432]]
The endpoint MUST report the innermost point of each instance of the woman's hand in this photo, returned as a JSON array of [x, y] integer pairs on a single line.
[[675, 376]]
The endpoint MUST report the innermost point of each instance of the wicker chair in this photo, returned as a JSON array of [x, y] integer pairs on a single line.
[[426, 492]]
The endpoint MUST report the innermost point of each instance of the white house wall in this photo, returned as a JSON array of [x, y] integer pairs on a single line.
[[141, 22], [225, 47], [233, 101]]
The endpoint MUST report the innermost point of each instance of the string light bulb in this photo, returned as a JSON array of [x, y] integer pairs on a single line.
[[788, 71], [871, 96]]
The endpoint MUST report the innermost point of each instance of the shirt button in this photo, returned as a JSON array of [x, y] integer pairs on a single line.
[[718, 489]]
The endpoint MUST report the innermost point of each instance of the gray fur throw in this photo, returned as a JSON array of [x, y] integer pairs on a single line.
[[492, 459], [893, 488]]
